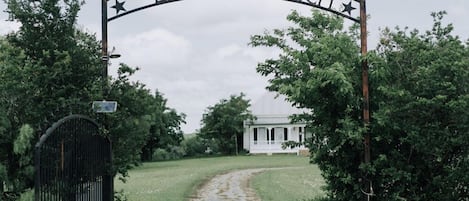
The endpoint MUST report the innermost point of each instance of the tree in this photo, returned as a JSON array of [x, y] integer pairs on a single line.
[[48, 69], [419, 90], [165, 129], [422, 114], [224, 123]]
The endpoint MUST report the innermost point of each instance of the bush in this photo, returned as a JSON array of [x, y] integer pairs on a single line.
[[173, 153], [194, 146], [28, 195], [120, 196], [213, 147], [176, 152], [160, 155]]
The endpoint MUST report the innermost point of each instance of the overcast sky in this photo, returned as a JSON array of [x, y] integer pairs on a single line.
[[195, 51]]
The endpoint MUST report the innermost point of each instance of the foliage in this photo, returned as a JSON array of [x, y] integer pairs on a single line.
[[419, 89], [194, 146], [3, 174], [135, 126], [319, 70], [129, 126], [224, 123], [22, 146], [4, 124], [23, 142], [292, 144], [120, 196], [37, 66], [172, 153], [50, 69], [165, 130], [422, 115], [28, 195]]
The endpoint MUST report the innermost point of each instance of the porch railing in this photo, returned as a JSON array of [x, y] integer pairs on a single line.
[[270, 146]]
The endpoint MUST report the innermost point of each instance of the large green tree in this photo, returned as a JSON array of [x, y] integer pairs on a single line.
[[419, 92], [223, 122], [165, 130], [142, 122], [421, 121], [50, 69]]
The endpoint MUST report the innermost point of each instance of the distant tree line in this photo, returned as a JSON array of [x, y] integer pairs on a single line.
[[221, 132]]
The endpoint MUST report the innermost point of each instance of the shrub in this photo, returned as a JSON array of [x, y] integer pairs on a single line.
[[194, 146], [176, 152], [28, 195], [160, 155], [173, 153], [120, 196]]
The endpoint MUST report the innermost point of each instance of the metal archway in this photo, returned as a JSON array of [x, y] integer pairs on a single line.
[[345, 11], [347, 8]]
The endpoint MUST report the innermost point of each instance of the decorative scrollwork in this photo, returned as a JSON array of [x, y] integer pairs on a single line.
[[343, 8]]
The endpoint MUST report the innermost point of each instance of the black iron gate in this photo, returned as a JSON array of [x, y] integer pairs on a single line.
[[73, 162]]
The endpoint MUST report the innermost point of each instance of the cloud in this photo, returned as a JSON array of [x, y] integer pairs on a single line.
[[196, 52], [158, 46], [229, 50], [8, 27]]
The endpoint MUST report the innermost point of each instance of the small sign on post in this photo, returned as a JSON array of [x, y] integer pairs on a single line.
[[104, 106]]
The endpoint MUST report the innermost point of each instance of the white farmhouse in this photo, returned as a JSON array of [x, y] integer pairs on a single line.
[[272, 126]]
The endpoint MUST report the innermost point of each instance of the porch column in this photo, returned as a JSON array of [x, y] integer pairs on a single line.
[[268, 137], [290, 132], [247, 138]]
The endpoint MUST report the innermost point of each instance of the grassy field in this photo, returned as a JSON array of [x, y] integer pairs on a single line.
[[296, 184], [177, 180]]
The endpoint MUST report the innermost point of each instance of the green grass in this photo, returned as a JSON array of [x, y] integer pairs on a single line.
[[177, 180], [303, 183]]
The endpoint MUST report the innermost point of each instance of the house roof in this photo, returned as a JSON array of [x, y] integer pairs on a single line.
[[274, 104]]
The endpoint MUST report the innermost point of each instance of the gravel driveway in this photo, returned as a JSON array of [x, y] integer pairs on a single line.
[[231, 186]]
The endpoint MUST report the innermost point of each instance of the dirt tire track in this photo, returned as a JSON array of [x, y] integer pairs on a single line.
[[231, 186]]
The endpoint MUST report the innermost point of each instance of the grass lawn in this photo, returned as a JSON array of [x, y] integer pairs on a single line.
[[296, 184], [177, 180]]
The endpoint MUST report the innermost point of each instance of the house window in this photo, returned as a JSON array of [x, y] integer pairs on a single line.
[[301, 138], [255, 135], [272, 134], [267, 132], [301, 129], [285, 134]]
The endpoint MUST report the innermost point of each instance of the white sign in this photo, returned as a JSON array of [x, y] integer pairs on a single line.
[[104, 106]]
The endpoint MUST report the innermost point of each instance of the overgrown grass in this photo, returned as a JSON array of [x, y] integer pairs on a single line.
[[177, 180]]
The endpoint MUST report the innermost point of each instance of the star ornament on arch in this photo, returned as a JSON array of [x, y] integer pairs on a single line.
[[348, 8], [119, 6]]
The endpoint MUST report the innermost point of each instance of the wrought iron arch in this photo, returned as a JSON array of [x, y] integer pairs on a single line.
[[326, 5], [319, 4], [73, 162]]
